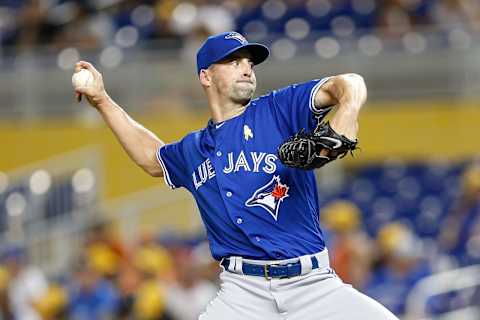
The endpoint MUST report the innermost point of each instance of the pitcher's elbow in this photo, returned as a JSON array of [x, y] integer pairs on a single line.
[[154, 172], [355, 80]]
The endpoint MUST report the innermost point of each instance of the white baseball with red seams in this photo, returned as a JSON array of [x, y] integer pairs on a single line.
[[83, 78]]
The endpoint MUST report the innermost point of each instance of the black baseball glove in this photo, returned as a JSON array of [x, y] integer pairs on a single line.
[[303, 150]]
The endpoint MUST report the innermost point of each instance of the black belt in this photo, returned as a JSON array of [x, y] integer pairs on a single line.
[[273, 270]]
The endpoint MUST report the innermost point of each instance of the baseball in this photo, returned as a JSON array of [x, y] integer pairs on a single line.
[[83, 78]]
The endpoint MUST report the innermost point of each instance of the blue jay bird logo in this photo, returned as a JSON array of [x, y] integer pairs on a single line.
[[270, 196], [236, 36]]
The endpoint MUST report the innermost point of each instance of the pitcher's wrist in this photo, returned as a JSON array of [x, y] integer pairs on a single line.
[[102, 101]]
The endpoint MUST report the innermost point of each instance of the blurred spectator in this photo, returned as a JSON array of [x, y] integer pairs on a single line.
[[105, 252], [196, 20], [32, 27], [208, 268], [190, 285], [155, 270], [189, 16], [80, 25], [150, 301], [127, 282], [91, 297], [457, 13], [102, 259], [4, 303], [463, 221], [151, 258], [472, 245], [52, 305], [400, 265], [350, 247], [397, 17], [26, 286]]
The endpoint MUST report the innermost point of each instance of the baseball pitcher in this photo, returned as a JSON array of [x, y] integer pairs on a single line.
[[250, 171]]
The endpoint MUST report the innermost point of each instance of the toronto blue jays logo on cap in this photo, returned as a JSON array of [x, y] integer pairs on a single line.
[[270, 196], [219, 46], [236, 36]]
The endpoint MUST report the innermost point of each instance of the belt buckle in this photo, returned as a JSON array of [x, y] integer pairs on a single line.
[[265, 272]]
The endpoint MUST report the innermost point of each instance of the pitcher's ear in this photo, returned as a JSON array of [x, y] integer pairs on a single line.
[[205, 78]]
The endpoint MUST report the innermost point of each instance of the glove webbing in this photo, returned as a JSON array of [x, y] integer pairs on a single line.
[[303, 150]]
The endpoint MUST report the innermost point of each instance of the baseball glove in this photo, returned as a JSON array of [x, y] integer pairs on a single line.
[[303, 150]]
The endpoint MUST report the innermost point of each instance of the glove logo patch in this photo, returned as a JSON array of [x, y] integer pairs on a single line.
[[270, 196], [337, 142]]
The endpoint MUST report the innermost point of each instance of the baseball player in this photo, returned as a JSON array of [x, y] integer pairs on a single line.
[[249, 171]]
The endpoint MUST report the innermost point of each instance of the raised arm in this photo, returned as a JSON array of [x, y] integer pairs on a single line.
[[139, 143], [328, 141], [349, 93]]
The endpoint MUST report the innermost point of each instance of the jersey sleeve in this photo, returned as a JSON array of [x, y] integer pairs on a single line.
[[172, 160], [294, 106]]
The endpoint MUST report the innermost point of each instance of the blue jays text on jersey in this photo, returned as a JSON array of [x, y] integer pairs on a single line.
[[251, 205], [256, 161]]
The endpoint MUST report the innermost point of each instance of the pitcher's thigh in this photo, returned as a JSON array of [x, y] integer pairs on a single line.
[[344, 303], [240, 299]]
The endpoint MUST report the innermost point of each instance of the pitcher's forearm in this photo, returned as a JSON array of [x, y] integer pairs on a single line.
[[345, 122], [139, 143]]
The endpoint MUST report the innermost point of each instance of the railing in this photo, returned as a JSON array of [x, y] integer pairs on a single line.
[[155, 209], [156, 78], [43, 204], [55, 246], [49, 206], [442, 283]]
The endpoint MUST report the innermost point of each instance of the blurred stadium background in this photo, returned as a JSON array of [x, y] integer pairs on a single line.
[[87, 235]]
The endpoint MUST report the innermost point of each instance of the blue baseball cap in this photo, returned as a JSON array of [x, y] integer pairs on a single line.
[[219, 46]]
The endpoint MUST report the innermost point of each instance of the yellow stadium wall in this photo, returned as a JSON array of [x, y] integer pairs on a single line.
[[422, 130]]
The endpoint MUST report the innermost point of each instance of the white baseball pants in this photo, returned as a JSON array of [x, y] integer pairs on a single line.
[[316, 295]]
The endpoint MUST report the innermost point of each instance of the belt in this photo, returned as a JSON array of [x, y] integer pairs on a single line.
[[270, 271]]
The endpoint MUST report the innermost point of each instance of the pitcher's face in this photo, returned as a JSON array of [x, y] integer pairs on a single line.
[[234, 77]]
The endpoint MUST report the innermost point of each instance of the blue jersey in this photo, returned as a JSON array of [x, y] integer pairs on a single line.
[[251, 204]]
